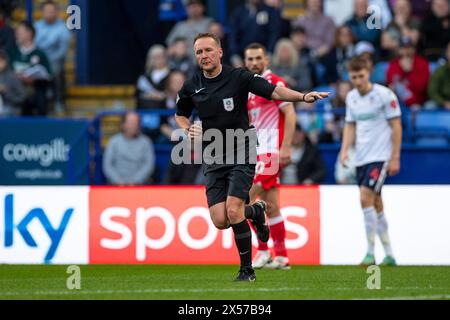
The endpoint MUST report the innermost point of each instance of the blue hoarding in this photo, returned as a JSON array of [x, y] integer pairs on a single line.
[[39, 151]]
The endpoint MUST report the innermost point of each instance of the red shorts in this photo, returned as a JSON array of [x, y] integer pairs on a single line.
[[267, 172]]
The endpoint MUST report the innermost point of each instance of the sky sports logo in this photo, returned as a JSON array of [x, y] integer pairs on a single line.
[[136, 225], [81, 225], [14, 228], [44, 225], [45, 154]]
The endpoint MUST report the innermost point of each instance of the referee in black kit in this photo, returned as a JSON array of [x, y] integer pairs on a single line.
[[219, 93]]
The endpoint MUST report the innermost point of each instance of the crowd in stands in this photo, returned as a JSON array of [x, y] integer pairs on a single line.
[[32, 62], [404, 40], [407, 42]]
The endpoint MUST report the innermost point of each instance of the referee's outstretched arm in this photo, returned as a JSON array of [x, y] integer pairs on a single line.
[[286, 94]]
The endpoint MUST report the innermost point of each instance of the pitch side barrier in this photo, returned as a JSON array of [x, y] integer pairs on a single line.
[[46, 151], [172, 225], [425, 162]]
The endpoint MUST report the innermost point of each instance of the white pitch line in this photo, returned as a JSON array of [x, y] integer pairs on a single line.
[[175, 290], [429, 297], [73, 292]]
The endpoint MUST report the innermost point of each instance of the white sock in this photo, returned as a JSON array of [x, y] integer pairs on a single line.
[[382, 231], [370, 221]]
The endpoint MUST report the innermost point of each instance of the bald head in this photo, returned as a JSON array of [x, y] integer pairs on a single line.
[[131, 124]]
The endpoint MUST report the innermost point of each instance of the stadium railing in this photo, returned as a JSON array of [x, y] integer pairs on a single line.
[[419, 127]]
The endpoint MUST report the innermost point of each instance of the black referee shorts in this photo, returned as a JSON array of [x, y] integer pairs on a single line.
[[228, 180]]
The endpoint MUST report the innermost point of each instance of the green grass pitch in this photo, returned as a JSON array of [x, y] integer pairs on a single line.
[[213, 282]]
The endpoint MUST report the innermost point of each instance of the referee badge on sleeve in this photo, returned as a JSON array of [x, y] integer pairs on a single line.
[[228, 104]]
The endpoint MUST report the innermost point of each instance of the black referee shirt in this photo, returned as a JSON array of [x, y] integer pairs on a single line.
[[221, 102]]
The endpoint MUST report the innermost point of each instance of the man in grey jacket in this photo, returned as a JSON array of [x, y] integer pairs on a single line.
[[12, 92], [195, 24], [129, 158]]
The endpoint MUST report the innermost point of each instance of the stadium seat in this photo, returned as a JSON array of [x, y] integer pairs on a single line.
[[379, 72], [320, 105], [320, 73], [431, 125], [432, 142], [432, 119]]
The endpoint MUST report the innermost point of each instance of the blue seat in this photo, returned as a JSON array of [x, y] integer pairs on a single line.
[[379, 72], [432, 142], [432, 119], [150, 121], [434, 66], [320, 105], [432, 127], [320, 71]]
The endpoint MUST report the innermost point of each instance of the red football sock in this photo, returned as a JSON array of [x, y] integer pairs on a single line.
[[278, 233]]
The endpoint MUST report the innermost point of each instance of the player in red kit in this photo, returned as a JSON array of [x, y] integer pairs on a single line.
[[275, 123]]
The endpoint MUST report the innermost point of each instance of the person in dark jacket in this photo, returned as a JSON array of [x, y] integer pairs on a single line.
[[436, 30], [253, 22], [307, 165]]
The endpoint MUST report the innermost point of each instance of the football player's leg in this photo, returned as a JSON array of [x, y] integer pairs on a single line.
[[263, 255], [382, 231], [256, 212], [242, 236], [216, 194], [219, 216], [367, 197], [277, 228]]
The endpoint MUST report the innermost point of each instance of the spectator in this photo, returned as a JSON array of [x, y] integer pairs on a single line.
[[436, 30], [253, 22], [184, 173], [319, 29], [288, 64], [53, 38], [33, 69], [343, 50], [7, 41], [365, 50], [403, 25], [195, 24], [347, 174], [307, 166], [285, 29], [334, 122], [178, 57], [158, 127], [298, 38], [174, 84], [217, 29], [150, 86], [408, 75], [360, 22], [439, 86], [383, 8], [12, 92], [129, 157], [170, 12], [420, 8]]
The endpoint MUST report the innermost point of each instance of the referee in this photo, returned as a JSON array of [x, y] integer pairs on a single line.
[[219, 93]]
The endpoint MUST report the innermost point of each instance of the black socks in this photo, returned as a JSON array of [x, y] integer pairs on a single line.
[[243, 239]]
